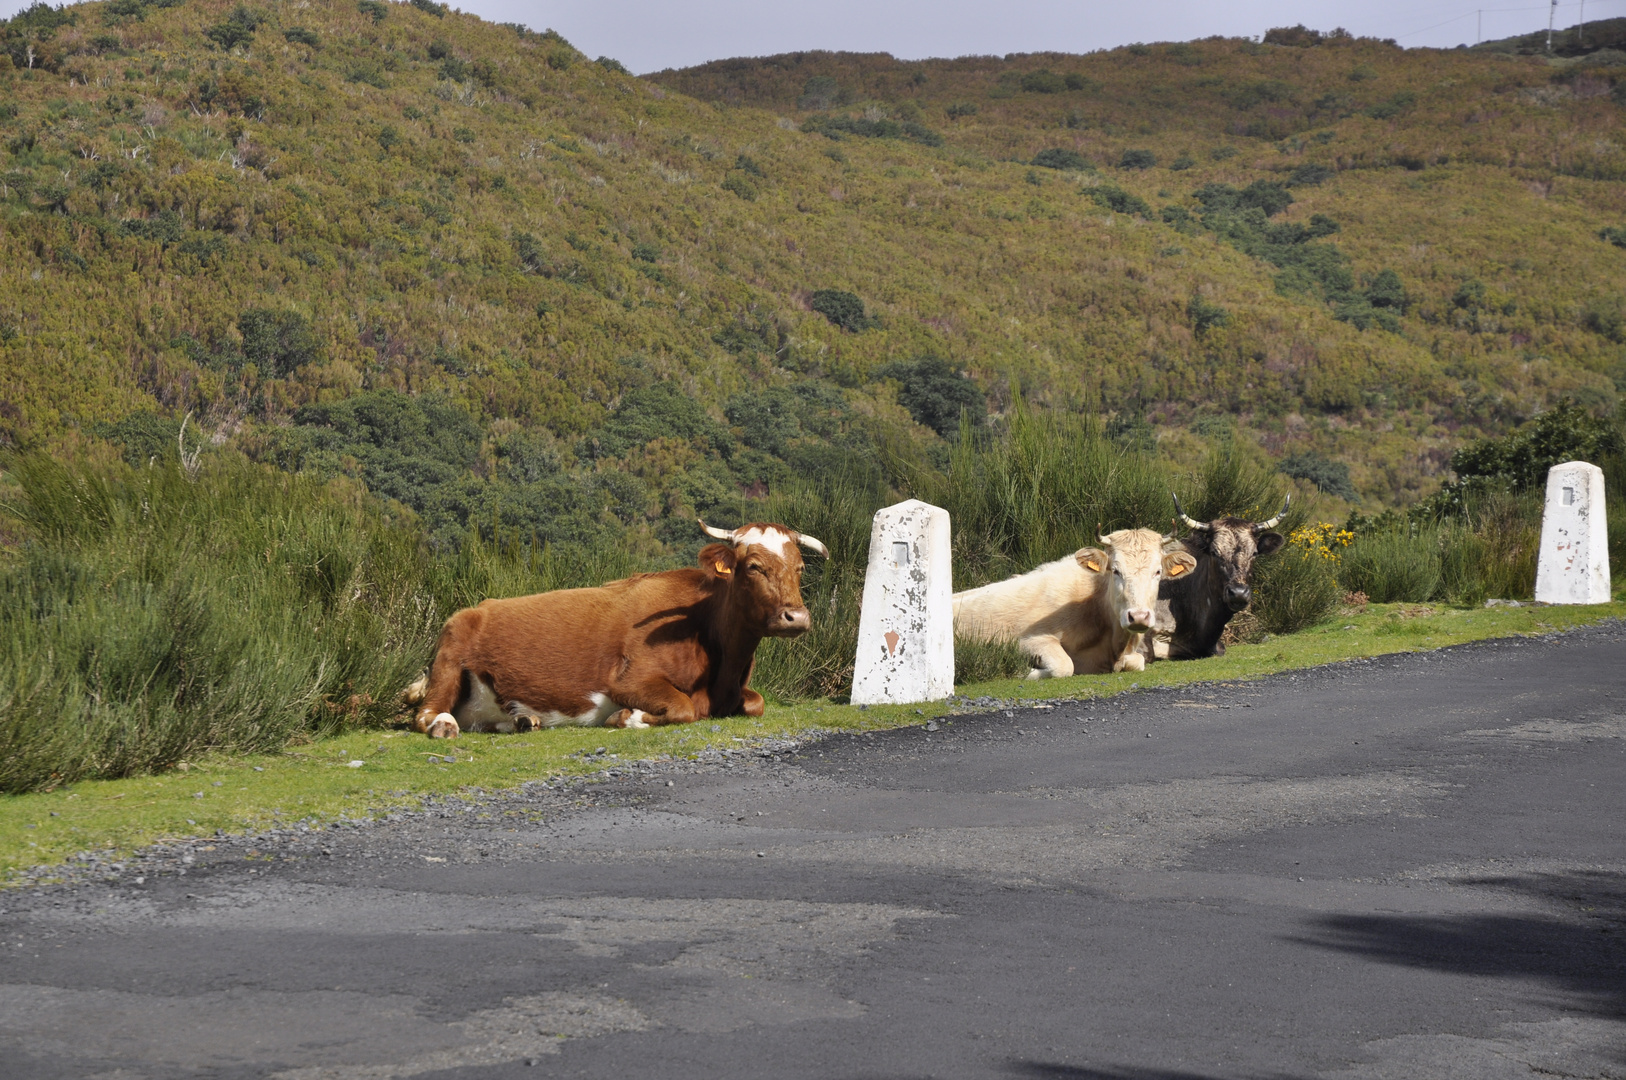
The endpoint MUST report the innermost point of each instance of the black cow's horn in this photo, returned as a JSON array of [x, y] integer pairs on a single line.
[[718, 534], [812, 544], [1191, 523], [1277, 520]]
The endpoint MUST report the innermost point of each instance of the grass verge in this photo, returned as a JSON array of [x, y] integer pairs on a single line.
[[317, 781]]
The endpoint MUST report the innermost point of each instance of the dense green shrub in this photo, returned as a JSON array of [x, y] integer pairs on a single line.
[[609, 64], [1206, 315], [1393, 106], [1182, 163], [277, 342], [821, 92], [1615, 234], [1327, 475], [1043, 81], [962, 108], [739, 185], [429, 7], [834, 127], [1309, 174], [1522, 458], [1117, 199], [935, 394], [373, 9], [1056, 157], [1394, 565], [237, 29], [1137, 159], [298, 35], [842, 308]]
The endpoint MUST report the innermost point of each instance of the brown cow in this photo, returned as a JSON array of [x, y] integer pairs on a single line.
[[666, 648]]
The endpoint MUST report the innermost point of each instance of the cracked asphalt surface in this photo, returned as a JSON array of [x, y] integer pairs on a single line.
[[1413, 866]]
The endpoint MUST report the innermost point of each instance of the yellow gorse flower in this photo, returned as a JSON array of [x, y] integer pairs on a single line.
[[1321, 540]]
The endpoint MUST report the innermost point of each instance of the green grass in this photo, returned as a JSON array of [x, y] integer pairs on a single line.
[[315, 782]]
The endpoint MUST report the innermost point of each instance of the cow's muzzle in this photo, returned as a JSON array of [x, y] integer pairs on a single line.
[[1138, 620], [1237, 596], [790, 622]]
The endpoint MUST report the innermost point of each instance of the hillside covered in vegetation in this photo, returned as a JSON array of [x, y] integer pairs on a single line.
[[514, 287]]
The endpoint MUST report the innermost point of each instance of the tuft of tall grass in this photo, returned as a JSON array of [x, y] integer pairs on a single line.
[[1047, 485], [1293, 592], [151, 614], [1398, 565], [978, 660]]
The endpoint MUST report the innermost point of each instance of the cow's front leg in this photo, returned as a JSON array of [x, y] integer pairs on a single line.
[[1132, 660], [1050, 659], [656, 698]]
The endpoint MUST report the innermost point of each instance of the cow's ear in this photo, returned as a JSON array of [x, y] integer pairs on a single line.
[[1177, 564], [1267, 542], [1092, 559], [717, 560]]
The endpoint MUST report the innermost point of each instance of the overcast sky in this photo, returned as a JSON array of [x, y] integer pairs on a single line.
[[648, 35]]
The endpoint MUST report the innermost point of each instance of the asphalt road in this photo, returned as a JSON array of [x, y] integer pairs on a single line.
[[1413, 867]]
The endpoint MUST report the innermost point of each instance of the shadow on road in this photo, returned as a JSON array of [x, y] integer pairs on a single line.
[[1043, 1070], [1579, 949]]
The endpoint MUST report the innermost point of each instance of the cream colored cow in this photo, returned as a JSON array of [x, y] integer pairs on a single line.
[[1081, 615]]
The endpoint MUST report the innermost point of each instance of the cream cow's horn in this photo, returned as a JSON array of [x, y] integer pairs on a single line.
[[716, 534], [1191, 523], [812, 543], [1277, 520]]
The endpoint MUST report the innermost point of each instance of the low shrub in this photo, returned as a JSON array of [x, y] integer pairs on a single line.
[[842, 308], [1137, 159], [1395, 566], [1205, 315], [1117, 199], [1056, 157], [1298, 587], [1327, 475]]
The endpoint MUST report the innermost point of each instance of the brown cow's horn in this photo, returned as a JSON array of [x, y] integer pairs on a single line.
[[718, 534], [812, 543], [1277, 520], [1191, 523]]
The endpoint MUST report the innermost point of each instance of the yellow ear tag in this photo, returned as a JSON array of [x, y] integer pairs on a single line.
[[722, 567], [1094, 564], [1177, 569]]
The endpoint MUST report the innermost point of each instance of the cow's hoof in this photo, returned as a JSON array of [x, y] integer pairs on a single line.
[[627, 718], [524, 724], [444, 726]]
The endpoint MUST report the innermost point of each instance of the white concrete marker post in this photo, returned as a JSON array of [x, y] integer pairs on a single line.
[[1572, 566], [906, 629]]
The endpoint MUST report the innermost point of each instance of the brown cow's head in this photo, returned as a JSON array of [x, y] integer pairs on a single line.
[[1134, 562], [763, 570], [1231, 544]]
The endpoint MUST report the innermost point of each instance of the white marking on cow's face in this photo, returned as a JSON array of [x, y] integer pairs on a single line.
[[1134, 567], [772, 539]]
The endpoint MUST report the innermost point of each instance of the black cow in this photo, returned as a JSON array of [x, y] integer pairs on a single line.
[[1200, 604]]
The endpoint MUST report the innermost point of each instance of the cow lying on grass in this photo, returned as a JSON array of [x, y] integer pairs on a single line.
[[1193, 610], [1081, 615], [666, 648]]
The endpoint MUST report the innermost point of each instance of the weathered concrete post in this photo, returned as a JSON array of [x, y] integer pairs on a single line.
[[1572, 566], [906, 629]]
